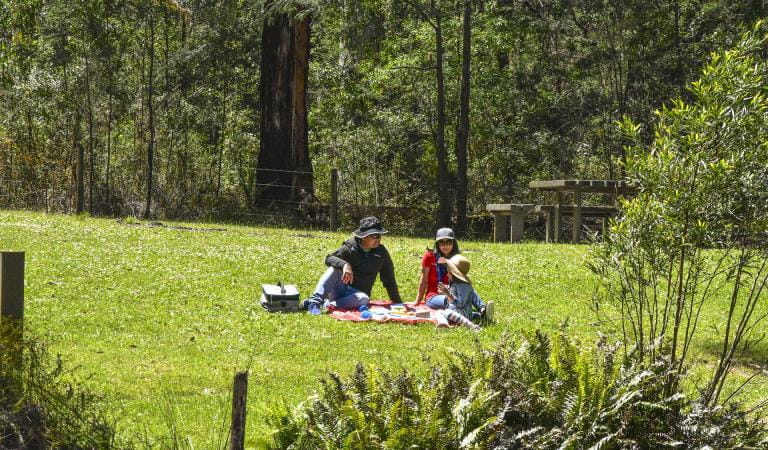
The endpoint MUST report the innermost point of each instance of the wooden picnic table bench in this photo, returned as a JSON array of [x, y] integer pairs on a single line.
[[509, 220], [576, 188]]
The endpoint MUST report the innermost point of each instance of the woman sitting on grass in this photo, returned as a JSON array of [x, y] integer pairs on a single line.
[[464, 304], [434, 269]]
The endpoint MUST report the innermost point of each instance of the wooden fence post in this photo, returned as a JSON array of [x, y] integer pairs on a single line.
[[12, 319], [239, 396], [334, 198]]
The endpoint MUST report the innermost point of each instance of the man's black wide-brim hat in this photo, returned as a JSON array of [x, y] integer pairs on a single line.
[[368, 226]]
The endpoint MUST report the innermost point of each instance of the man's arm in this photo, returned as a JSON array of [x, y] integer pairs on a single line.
[[339, 258], [388, 279]]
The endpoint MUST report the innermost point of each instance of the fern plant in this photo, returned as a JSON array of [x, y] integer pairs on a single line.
[[543, 393]]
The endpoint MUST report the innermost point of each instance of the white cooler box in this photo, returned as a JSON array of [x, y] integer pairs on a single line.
[[280, 297]]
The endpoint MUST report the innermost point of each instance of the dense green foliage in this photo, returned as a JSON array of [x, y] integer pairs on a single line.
[[539, 394], [549, 79], [52, 410], [698, 228]]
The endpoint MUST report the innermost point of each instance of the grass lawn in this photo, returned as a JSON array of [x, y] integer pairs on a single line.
[[159, 319]]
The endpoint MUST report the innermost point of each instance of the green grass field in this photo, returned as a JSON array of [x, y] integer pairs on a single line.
[[159, 319]]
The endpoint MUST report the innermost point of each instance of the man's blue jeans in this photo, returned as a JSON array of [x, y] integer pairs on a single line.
[[341, 295]]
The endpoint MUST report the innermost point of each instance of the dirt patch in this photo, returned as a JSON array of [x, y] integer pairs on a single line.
[[162, 225]]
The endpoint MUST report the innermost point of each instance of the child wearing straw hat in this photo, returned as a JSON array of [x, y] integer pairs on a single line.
[[464, 303]]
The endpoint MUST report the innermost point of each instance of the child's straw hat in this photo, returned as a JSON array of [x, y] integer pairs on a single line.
[[459, 267]]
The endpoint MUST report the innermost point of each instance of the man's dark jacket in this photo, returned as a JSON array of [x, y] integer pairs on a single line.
[[365, 266]]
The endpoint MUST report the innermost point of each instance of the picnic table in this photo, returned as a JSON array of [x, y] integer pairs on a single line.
[[576, 188], [509, 218]]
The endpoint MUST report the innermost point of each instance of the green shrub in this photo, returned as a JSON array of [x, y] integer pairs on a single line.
[[697, 229], [51, 412], [542, 393]]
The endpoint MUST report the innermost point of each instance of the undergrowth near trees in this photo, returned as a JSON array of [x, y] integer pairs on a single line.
[[540, 393], [52, 411]]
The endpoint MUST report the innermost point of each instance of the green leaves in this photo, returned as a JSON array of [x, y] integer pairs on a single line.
[[700, 216], [528, 396]]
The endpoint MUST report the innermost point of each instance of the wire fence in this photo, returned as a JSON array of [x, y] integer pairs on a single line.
[[336, 201]]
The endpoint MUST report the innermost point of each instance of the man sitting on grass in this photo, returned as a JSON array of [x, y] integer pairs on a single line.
[[353, 268]]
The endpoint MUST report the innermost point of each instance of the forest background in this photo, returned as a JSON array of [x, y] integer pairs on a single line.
[[162, 108]]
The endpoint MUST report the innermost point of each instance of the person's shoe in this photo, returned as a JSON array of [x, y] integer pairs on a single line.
[[487, 312], [312, 306], [314, 309]]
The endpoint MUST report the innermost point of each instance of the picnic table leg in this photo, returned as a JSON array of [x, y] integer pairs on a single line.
[[548, 231], [500, 227], [558, 203], [517, 226], [576, 216]]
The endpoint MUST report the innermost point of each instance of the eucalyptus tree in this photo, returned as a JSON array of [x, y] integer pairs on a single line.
[[284, 168]]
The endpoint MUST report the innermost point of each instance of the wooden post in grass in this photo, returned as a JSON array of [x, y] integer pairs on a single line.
[[12, 320], [334, 198], [239, 396]]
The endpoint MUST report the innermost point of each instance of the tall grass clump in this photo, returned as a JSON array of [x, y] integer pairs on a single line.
[[541, 393], [40, 404], [696, 233]]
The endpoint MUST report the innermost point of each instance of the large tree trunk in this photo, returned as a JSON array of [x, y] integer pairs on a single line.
[[462, 130], [283, 151], [303, 177], [444, 177]]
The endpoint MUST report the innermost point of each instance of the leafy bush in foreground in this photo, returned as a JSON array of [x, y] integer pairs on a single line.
[[695, 235], [51, 413], [542, 393]]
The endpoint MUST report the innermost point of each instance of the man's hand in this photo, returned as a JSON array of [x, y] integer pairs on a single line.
[[346, 276], [443, 289]]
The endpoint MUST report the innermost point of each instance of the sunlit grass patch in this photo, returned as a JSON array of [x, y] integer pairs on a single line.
[[153, 314]]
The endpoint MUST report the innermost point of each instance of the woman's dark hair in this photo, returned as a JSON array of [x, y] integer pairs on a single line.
[[454, 251]]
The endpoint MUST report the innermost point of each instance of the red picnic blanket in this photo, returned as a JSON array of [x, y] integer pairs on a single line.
[[383, 311]]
